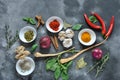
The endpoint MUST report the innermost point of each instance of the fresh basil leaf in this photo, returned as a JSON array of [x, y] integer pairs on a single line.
[[64, 76], [50, 63], [63, 67], [77, 27], [93, 19], [69, 63], [34, 47], [25, 19], [57, 72], [32, 21], [53, 68]]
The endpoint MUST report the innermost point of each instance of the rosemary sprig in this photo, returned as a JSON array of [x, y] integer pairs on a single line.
[[100, 65], [10, 40]]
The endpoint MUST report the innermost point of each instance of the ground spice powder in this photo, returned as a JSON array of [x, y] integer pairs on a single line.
[[86, 37], [54, 25]]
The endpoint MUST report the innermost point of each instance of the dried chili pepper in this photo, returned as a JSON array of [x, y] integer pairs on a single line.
[[102, 23], [90, 23], [110, 27]]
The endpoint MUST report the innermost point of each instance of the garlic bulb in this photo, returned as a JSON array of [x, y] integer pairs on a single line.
[[69, 33], [67, 43], [61, 35]]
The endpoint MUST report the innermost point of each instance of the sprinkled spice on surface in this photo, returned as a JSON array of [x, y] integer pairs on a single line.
[[54, 25], [29, 35], [86, 37]]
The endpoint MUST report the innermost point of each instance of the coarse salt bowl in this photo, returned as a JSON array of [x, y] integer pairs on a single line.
[[92, 36], [24, 30], [25, 72], [52, 19]]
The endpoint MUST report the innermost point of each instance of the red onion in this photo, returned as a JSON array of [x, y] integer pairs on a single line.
[[97, 53], [45, 42]]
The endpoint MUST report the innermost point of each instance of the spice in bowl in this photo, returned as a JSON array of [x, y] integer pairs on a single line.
[[29, 35], [54, 25], [86, 37]]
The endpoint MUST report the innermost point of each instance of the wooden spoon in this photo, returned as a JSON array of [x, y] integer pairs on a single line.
[[80, 52]]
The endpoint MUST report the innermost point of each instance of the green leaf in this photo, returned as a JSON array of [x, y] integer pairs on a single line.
[[34, 47], [50, 63], [32, 21], [66, 25], [53, 68], [57, 72], [77, 27], [69, 64], [29, 20], [64, 76], [93, 19], [25, 19]]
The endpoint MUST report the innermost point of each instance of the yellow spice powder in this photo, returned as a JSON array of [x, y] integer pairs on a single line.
[[86, 37]]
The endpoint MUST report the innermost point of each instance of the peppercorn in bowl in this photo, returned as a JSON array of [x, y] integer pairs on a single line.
[[87, 37], [27, 34], [54, 24]]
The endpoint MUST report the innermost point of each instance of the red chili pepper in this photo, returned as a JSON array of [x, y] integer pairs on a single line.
[[90, 23], [110, 27], [102, 22]]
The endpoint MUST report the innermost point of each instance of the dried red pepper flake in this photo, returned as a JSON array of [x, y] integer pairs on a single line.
[[54, 25]]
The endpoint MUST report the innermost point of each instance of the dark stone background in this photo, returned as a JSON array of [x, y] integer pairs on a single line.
[[12, 12]]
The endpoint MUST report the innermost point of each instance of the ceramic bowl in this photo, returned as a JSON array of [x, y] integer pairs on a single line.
[[50, 20], [93, 37], [26, 72], [25, 29]]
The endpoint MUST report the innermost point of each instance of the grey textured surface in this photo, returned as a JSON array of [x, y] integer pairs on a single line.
[[12, 12]]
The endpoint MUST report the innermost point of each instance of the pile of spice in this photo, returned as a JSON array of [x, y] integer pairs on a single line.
[[29, 35], [54, 25], [86, 37]]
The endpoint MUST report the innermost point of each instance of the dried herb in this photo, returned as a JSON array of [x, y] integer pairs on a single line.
[[66, 25], [29, 35], [93, 19], [81, 63], [100, 64], [77, 27], [10, 39], [29, 20]]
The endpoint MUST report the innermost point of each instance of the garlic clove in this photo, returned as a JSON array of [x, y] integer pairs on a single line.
[[67, 43], [69, 33], [61, 35]]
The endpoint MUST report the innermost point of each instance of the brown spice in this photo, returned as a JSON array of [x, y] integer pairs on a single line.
[[40, 20], [54, 41]]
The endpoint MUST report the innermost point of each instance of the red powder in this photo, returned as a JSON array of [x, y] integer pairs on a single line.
[[54, 25]]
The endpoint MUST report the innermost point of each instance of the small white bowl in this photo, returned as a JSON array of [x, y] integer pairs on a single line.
[[93, 37], [25, 29], [50, 20], [27, 72]]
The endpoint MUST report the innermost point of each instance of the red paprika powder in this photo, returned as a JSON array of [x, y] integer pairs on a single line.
[[54, 25]]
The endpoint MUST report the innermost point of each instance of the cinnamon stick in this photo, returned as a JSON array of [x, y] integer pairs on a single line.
[[56, 42], [53, 42]]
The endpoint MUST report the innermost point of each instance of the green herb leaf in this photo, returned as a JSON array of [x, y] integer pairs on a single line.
[[69, 64], [93, 19], [34, 47], [53, 68], [77, 27], [32, 21], [50, 63], [57, 72], [64, 76], [66, 25], [29, 20]]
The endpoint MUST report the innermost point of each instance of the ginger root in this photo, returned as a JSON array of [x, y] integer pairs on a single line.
[[21, 52], [40, 20]]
